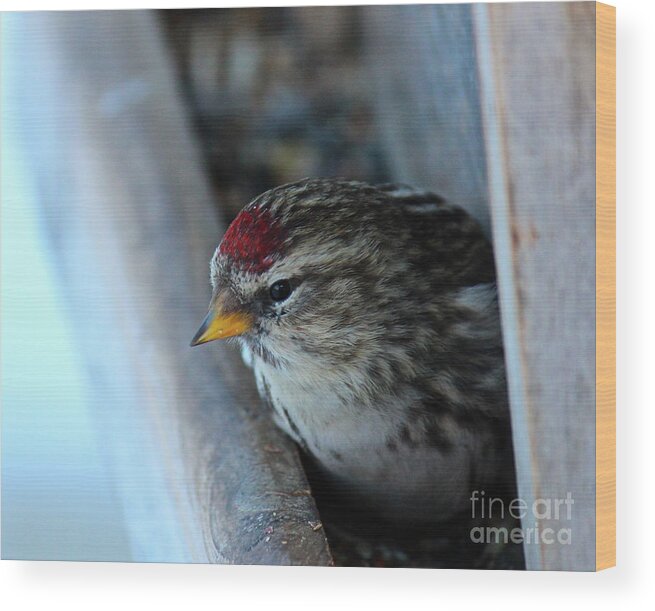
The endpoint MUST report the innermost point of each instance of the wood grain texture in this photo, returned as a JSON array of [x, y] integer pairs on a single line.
[[423, 67], [537, 71], [605, 286], [132, 228]]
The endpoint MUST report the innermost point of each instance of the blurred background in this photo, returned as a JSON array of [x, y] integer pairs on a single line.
[[58, 499], [277, 95]]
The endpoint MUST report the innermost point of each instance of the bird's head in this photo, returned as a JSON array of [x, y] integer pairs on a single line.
[[297, 273]]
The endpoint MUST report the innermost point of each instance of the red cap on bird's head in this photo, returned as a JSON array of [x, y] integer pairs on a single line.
[[254, 240]]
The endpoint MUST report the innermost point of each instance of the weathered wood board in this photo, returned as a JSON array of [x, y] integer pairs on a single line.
[[495, 108], [132, 226], [424, 71], [538, 91]]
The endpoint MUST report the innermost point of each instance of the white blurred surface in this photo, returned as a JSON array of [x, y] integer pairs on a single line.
[[58, 501]]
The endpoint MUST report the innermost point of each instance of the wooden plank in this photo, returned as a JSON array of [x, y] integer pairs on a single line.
[[132, 227], [424, 65], [537, 71], [605, 286]]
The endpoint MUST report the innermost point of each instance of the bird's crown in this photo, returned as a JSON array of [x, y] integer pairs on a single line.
[[255, 239]]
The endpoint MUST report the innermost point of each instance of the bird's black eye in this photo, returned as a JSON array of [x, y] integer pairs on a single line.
[[280, 290]]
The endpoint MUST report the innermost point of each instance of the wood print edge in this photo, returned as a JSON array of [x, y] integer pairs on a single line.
[[605, 286]]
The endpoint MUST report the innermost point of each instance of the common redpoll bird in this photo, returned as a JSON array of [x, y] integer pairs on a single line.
[[369, 316]]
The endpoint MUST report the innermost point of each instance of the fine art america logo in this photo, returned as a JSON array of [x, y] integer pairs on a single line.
[[497, 510]]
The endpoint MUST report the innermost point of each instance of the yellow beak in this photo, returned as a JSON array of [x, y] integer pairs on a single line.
[[219, 325]]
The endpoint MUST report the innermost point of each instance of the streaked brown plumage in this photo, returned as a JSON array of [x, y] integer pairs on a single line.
[[369, 316]]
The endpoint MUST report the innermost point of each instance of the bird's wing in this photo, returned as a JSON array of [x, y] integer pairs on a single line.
[[444, 243]]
